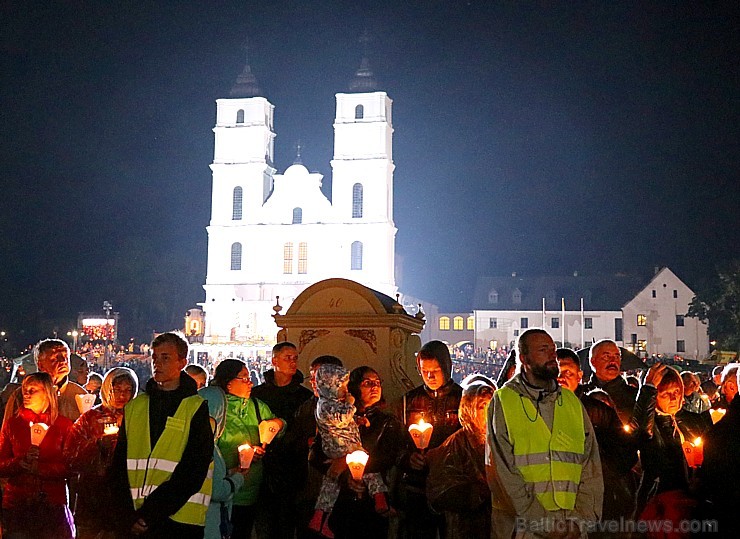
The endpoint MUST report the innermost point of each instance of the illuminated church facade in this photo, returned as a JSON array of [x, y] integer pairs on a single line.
[[274, 234]]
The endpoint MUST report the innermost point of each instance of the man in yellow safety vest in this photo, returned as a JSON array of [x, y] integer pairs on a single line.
[[162, 472], [542, 458]]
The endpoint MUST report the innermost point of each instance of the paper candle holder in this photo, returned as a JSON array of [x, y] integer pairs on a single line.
[[246, 454], [84, 402], [356, 462], [268, 430], [38, 432], [421, 433]]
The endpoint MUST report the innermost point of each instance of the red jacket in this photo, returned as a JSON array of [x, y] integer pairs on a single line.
[[15, 440]]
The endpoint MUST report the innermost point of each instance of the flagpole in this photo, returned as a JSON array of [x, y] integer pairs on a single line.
[[583, 342], [562, 322], [543, 313]]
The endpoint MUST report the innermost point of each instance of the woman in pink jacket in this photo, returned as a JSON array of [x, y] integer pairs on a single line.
[[35, 497]]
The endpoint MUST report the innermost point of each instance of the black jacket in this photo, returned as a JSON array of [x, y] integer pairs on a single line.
[[282, 400], [189, 473], [623, 395]]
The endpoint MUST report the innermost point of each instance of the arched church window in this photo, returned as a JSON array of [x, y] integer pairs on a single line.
[[457, 323], [297, 216], [359, 112], [236, 256], [288, 258], [303, 257], [240, 116], [444, 323], [356, 255], [471, 323], [237, 197], [357, 201]]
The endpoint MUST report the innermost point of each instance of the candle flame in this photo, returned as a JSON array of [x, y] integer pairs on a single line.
[[697, 442]]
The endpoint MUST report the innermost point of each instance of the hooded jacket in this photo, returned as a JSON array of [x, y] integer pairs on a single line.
[[511, 497], [190, 472], [335, 419], [225, 485]]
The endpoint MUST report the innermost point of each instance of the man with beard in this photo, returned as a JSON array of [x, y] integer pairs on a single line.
[[606, 362], [532, 422]]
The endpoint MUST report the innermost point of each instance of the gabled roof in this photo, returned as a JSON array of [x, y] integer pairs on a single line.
[[599, 292]]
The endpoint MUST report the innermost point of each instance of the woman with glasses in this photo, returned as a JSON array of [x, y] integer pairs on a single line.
[[243, 416], [35, 496], [89, 452], [382, 435]]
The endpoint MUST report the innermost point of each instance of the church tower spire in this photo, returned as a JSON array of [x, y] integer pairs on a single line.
[[364, 79], [246, 83]]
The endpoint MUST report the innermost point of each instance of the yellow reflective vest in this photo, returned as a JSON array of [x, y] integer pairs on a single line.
[[550, 460], [148, 468]]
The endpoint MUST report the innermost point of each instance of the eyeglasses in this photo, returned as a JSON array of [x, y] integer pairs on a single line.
[[367, 383], [244, 380]]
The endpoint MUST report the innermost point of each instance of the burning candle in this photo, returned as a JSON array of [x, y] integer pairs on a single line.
[[421, 433], [627, 429], [356, 462], [246, 453], [110, 429], [38, 431], [698, 452]]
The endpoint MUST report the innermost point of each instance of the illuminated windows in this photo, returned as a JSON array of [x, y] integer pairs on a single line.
[[356, 263], [444, 323], [642, 346], [240, 116], [641, 320], [357, 201], [471, 323], [236, 199], [457, 323], [236, 256], [288, 258], [303, 257], [359, 112], [297, 216]]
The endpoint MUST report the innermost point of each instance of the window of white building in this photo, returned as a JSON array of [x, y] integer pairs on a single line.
[[679, 320], [555, 323], [471, 323], [457, 323], [492, 323], [357, 201], [680, 346], [359, 112], [444, 323], [588, 323], [641, 320], [288, 258], [236, 256], [303, 257], [297, 216], [356, 263], [240, 116], [236, 204], [524, 322]]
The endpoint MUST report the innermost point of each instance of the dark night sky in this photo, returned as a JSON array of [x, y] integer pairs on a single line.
[[541, 138]]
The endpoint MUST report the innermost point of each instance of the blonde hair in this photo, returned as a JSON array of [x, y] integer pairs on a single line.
[[49, 388]]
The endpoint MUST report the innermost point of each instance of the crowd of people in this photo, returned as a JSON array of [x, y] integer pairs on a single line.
[[195, 453]]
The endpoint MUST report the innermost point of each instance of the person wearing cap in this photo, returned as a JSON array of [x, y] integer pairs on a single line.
[[533, 421], [436, 401]]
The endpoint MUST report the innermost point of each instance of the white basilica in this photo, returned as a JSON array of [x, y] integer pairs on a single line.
[[276, 234]]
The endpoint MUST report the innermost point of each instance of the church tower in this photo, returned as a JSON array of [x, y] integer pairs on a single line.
[[242, 181], [362, 181]]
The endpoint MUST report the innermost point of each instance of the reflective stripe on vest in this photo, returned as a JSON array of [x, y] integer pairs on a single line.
[[148, 468], [551, 461]]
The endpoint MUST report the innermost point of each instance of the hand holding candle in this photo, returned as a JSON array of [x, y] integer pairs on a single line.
[[717, 414], [421, 433], [110, 429]]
